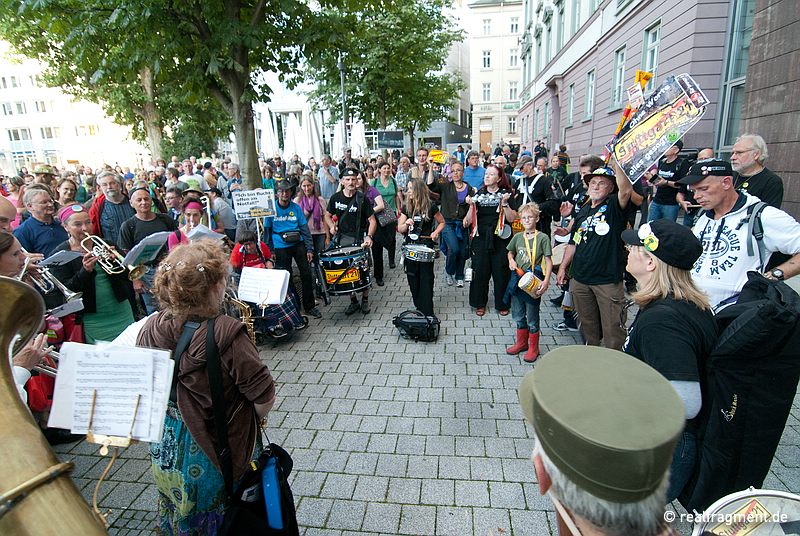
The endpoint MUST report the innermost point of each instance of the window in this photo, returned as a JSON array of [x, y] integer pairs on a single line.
[[87, 130], [570, 103], [8, 109], [514, 25], [546, 120], [589, 94], [536, 124], [650, 61], [487, 26], [595, 4], [560, 29], [14, 82], [19, 134], [513, 57], [512, 124], [512, 91], [3, 82], [32, 81], [49, 133], [486, 92], [548, 43], [576, 17], [538, 55], [618, 87], [21, 109], [487, 59], [40, 106], [735, 73]]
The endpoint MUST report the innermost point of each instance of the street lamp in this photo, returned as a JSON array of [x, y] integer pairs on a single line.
[[340, 65]]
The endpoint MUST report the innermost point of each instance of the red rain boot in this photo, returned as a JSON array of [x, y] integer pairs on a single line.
[[522, 343], [533, 348]]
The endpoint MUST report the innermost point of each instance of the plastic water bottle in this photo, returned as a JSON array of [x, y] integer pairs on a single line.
[[272, 494]]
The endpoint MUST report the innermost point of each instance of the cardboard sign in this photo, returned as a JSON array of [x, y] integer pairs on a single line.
[[665, 116], [249, 204]]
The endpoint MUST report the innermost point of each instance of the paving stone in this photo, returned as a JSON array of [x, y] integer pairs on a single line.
[[417, 520], [313, 512], [528, 523], [347, 515], [470, 493], [371, 488], [404, 490], [490, 521], [454, 521], [339, 486], [382, 517], [506, 495], [440, 492], [361, 463]]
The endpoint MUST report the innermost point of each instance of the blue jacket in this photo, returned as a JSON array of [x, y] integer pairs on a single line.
[[285, 220]]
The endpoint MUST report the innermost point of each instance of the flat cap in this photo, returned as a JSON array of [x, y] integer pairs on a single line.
[[608, 421]]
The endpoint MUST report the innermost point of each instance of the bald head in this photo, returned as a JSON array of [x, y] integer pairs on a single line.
[[8, 213]]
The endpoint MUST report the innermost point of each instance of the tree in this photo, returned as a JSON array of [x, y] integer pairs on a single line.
[[394, 60]]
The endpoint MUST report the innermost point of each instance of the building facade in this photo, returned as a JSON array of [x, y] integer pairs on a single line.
[[40, 124], [580, 56], [494, 28]]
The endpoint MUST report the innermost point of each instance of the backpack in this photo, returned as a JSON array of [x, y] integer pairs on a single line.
[[417, 326]]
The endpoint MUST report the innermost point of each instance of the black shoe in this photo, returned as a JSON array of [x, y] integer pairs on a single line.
[[365, 306], [352, 308], [278, 332], [303, 323], [557, 301], [392, 265], [379, 282], [315, 312]]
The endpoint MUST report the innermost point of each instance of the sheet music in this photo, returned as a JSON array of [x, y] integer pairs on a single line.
[[60, 258], [147, 250], [201, 231], [118, 375], [260, 285]]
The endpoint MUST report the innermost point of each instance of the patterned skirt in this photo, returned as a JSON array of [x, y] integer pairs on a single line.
[[191, 490], [285, 315]]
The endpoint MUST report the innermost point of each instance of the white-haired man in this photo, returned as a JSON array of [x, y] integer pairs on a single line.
[[748, 156]]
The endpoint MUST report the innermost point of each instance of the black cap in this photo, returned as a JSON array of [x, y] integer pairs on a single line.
[[350, 172], [704, 168], [207, 165], [679, 145], [673, 243]]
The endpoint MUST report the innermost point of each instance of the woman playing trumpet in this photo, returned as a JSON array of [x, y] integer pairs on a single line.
[[107, 298]]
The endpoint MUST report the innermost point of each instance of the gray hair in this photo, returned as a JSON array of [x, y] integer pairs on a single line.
[[758, 144], [111, 174], [234, 167], [645, 517], [34, 190], [472, 153]]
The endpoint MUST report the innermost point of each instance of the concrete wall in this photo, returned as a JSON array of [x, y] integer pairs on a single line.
[[772, 94]]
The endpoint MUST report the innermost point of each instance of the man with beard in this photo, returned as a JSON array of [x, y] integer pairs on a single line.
[[289, 238], [748, 156], [110, 209]]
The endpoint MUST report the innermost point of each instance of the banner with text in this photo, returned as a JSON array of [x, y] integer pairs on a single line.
[[666, 115], [249, 204]]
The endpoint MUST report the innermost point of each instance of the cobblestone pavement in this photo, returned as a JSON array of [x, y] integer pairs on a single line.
[[395, 437]]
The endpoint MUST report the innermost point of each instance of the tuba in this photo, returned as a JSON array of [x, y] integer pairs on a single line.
[[109, 259], [37, 496]]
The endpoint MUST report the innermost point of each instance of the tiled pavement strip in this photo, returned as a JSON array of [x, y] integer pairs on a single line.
[[395, 437]]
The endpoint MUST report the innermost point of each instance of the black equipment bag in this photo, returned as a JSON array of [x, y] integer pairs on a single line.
[[417, 326], [751, 380]]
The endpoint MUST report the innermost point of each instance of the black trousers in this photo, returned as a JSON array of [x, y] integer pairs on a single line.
[[283, 260], [420, 281], [489, 261], [385, 238]]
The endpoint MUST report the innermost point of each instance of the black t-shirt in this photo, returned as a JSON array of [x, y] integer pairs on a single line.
[[675, 337], [422, 228], [599, 254], [135, 230], [670, 171], [765, 185], [346, 209], [486, 205]]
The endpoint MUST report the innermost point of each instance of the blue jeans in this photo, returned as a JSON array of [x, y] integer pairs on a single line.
[[150, 304], [658, 211], [525, 314], [682, 467], [455, 248]]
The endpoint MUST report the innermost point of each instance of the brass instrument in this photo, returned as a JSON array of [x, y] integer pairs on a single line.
[[109, 259], [48, 370], [245, 313], [206, 202], [44, 280], [37, 496]]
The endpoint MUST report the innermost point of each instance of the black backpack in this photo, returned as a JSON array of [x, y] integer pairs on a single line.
[[417, 326]]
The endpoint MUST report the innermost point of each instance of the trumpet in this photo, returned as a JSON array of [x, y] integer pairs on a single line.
[[109, 259], [44, 280]]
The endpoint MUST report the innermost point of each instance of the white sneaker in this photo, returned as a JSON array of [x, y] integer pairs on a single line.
[[460, 283], [450, 280]]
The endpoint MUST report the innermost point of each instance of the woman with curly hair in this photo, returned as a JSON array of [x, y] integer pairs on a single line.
[[190, 285]]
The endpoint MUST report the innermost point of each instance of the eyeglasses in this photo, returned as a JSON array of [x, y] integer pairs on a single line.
[[737, 153]]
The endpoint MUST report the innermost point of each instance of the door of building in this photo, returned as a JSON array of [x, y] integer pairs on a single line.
[[486, 141]]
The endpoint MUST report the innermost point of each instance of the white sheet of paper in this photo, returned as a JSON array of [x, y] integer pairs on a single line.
[[72, 306], [148, 249], [201, 231], [60, 258], [260, 285]]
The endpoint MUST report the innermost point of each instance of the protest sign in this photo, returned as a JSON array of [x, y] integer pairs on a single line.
[[249, 204], [666, 115]]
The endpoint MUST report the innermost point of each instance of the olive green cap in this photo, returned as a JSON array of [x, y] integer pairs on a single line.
[[608, 421]]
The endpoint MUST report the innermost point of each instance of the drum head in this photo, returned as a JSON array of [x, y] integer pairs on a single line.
[[506, 232], [558, 254], [758, 512]]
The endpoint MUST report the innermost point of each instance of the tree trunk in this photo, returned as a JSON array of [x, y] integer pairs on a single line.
[[153, 127], [411, 137], [244, 131]]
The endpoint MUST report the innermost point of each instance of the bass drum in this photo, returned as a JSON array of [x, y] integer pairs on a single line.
[[755, 512], [346, 270]]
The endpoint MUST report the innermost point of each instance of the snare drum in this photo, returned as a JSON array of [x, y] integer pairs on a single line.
[[752, 512], [346, 270], [419, 253]]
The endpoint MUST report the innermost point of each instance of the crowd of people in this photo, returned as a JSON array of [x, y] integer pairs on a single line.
[[497, 219]]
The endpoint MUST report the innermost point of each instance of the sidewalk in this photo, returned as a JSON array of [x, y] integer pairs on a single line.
[[395, 437]]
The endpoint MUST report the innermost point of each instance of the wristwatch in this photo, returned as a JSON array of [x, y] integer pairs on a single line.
[[369, 236], [777, 273]]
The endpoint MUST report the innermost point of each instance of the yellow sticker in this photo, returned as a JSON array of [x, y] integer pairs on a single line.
[[576, 237], [744, 521], [351, 276]]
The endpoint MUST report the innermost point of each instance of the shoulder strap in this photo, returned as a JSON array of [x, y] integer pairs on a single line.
[[186, 337], [755, 228], [214, 370]]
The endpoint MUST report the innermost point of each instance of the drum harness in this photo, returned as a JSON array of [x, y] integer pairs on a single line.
[[358, 230]]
